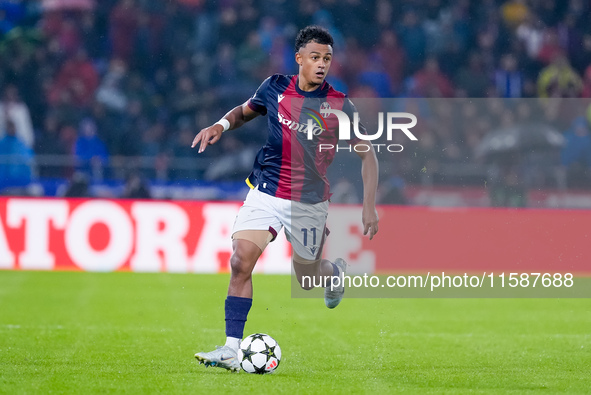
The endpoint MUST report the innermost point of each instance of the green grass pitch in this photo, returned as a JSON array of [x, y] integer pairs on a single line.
[[63, 332]]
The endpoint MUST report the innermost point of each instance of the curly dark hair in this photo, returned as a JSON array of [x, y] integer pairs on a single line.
[[315, 34]]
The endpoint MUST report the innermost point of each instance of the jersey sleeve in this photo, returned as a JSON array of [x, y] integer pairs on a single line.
[[258, 101], [349, 109]]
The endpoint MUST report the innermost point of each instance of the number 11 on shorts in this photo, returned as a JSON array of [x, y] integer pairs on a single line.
[[305, 232]]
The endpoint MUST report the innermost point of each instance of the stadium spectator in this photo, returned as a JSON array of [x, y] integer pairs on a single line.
[[153, 139], [149, 42], [531, 34], [132, 123], [68, 38], [283, 61], [108, 123], [79, 77], [252, 58], [6, 25], [586, 92], [50, 144], [447, 34], [14, 110], [514, 12], [390, 54], [15, 161], [15, 11], [549, 11], [431, 82], [508, 78], [559, 79], [110, 92], [356, 60], [472, 79], [576, 154], [374, 76], [136, 187], [413, 39], [92, 37], [570, 37], [78, 186], [384, 14], [68, 136], [183, 166], [123, 28], [90, 151], [151, 149], [551, 47], [267, 32], [185, 100]]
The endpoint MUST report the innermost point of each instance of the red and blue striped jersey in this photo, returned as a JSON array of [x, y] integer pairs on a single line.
[[289, 165]]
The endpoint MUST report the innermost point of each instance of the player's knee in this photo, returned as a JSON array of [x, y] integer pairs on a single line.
[[240, 265]]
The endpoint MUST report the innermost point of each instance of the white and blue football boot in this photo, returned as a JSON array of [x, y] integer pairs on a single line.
[[333, 297], [222, 357]]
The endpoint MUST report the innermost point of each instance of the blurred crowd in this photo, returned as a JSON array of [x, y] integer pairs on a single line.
[[116, 87]]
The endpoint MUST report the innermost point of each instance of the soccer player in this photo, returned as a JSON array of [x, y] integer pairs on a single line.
[[288, 184]]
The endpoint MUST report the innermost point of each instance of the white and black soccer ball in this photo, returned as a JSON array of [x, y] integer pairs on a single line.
[[259, 353]]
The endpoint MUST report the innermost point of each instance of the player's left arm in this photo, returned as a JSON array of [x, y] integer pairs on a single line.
[[369, 174]]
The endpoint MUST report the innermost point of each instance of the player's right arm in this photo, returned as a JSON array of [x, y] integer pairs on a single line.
[[235, 118]]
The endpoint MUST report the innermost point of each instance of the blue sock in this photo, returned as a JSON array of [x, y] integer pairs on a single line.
[[237, 309]]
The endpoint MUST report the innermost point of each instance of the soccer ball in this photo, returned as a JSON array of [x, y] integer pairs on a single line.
[[259, 353]]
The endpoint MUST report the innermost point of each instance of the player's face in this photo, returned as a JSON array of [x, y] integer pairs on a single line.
[[314, 60]]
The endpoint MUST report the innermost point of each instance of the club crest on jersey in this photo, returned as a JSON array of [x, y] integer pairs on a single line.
[[323, 107]]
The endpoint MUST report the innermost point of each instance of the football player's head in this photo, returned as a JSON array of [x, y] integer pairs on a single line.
[[313, 47]]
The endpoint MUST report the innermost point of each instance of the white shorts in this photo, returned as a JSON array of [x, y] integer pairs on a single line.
[[305, 224]]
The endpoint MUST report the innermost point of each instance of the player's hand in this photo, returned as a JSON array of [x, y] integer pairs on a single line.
[[207, 136], [369, 217]]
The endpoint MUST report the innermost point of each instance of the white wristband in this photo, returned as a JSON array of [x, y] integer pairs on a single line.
[[224, 123]]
